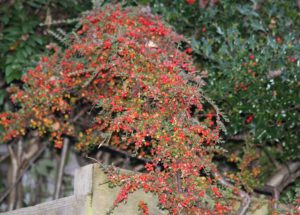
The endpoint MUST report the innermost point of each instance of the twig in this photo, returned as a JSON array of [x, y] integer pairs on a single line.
[[4, 157], [239, 137], [61, 168], [106, 140], [246, 200], [79, 114], [93, 159], [97, 161], [179, 183], [103, 141], [91, 79], [138, 168], [126, 163]]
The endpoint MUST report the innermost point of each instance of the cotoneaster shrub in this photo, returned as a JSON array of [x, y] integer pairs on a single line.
[[251, 50], [123, 72]]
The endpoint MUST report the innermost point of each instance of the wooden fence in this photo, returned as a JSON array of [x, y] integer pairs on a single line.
[[92, 196]]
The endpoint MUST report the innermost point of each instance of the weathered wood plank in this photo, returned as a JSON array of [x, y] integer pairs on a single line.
[[65, 206], [83, 181]]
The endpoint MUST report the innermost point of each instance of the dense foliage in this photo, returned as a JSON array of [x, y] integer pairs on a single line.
[[251, 50], [22, 38], [141, 90]]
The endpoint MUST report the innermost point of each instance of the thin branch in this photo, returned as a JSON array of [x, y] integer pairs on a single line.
[[4, 157], [19, 187], [246, 200], [61, 168], [29, 164], [13, 177], [105, 141], [93, 159], [179, 183], [79, 114], [286, 175], [97, 161], [139, 168]]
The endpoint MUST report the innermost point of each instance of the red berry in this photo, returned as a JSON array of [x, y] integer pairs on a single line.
[[249, 119], [190, 2], [292, 59], [188, 50], [278, 39]]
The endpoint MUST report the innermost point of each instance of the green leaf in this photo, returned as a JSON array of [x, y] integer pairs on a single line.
[[219, 31], [8, 70], [244, 10], [12, 74], [207, 49], [28, 50], [2, 96], [257, 25], [195, 45], [39, 40]]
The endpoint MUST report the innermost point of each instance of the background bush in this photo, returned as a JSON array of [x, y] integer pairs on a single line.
[[22, 38], [251, 50]]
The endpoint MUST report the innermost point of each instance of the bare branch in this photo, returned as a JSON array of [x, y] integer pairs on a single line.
[[4, 157], [27, 166], [246, 200], [286, 175], [106, 140], [61, 168], [13, 177], [80, 113]]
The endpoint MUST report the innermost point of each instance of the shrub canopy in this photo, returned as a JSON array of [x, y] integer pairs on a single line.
[[125, 76]]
